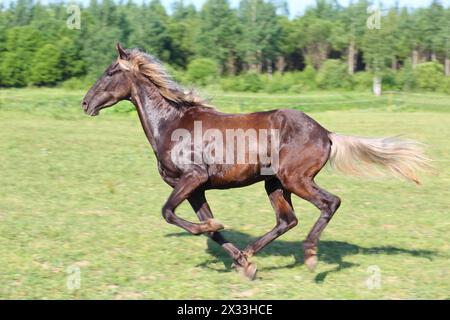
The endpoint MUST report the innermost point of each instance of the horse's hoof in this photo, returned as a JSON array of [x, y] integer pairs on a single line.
[[311, 263], [310, 254], [250, 271], [214, 225]]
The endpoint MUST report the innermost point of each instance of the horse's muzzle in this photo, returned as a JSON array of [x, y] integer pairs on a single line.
[[85, 105], [89, 110]]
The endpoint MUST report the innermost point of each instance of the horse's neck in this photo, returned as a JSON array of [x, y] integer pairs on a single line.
[[154, 111]]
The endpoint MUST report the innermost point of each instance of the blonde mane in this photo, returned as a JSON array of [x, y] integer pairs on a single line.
[[153, 70]]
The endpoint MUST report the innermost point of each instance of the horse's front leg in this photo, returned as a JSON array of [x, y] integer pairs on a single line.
[[187, 184], [203, 211]]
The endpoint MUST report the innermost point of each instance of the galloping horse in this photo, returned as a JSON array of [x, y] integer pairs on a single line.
[[303, 147]]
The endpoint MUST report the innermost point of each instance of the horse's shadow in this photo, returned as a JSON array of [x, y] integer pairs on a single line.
[[331, 252]]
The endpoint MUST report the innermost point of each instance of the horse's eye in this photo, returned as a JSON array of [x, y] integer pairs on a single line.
[[109, 73]]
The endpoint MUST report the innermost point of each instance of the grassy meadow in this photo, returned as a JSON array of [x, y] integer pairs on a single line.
[[81, 192]]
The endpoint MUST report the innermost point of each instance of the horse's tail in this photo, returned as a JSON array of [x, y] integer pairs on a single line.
[[366, 156]]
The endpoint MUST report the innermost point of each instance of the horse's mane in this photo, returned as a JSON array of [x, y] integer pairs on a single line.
[[152, 69]]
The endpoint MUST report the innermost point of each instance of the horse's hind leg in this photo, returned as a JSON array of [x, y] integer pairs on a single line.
[[203, 211], [280, 199], [326, 202]]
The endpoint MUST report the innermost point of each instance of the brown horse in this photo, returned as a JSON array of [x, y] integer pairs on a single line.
[[298, 148]]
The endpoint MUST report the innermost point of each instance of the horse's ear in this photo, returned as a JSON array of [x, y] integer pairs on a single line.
[[122, 53]]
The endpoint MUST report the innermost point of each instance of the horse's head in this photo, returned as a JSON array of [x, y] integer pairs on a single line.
[[113, 86]]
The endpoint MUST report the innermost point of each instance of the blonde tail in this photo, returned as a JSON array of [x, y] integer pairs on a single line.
[[366, 156]]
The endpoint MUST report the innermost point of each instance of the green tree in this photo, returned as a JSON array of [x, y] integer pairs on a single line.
[[392, 34], [377, 53], [286, 43], [22, 12], [349, 34], [183, 27], [434, 17], [218, 34], [257, 36], [3, 26], [45, 69], [202, 70], [70, 63], [315, 32], [429, 75], [149, 30], [405, 42], [97, 46], [260, 41], [21, 44], [333, 74]]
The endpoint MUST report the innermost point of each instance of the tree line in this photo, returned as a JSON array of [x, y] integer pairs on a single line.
[[37, 47]]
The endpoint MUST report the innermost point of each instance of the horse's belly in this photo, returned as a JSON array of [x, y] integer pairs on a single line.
[[234, 176]]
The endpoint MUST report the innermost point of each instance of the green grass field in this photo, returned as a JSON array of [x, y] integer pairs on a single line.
[[84, 192]]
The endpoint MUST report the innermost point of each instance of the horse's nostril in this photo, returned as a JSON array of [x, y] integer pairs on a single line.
[[85, 105]]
